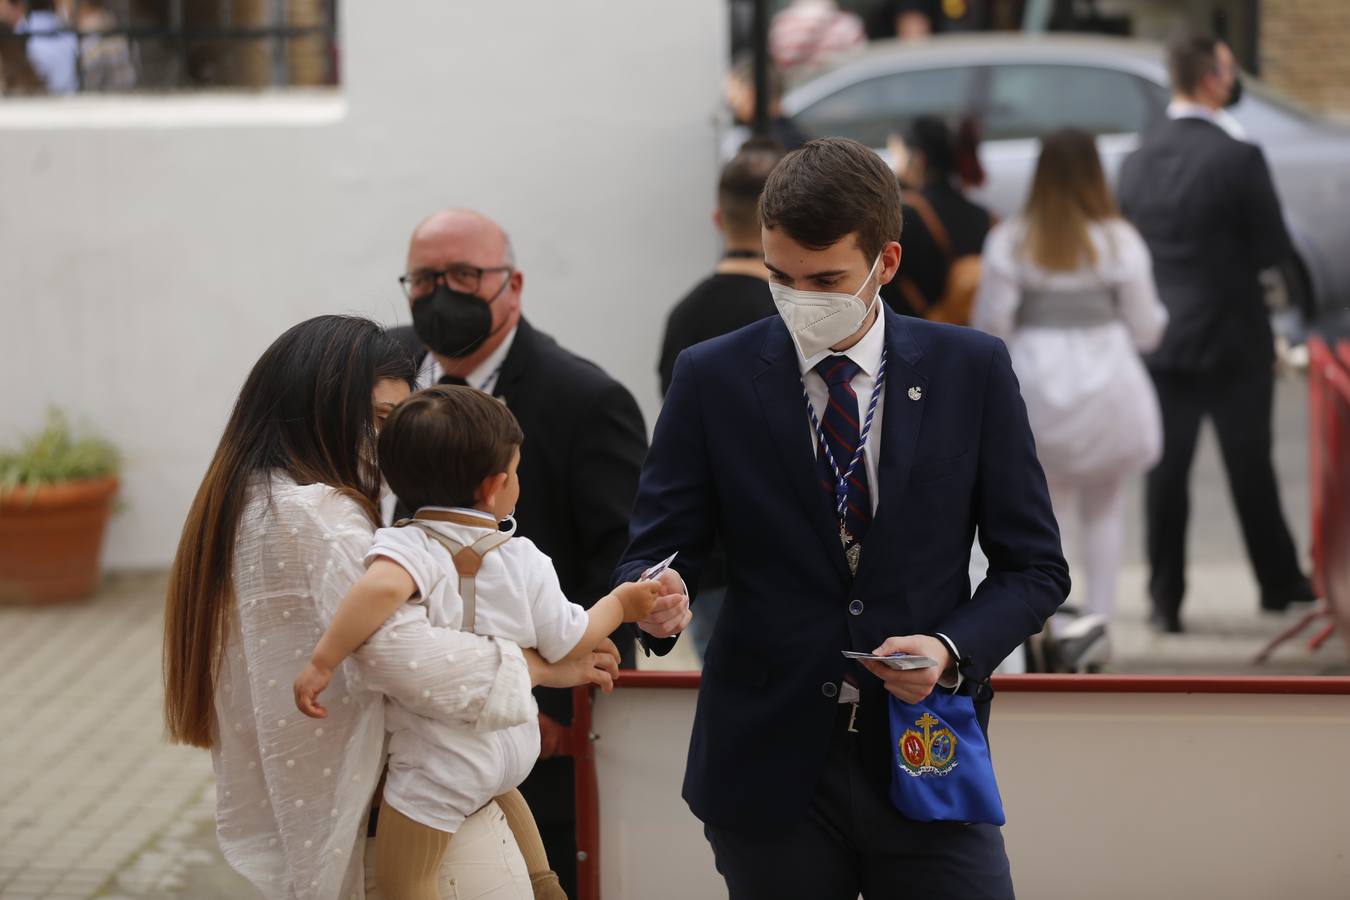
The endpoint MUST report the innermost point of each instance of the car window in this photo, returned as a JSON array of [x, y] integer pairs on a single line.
[[1264, 113], [868, 111], [1029, 101]]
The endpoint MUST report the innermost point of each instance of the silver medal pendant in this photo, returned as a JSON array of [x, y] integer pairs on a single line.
[[852, 550]]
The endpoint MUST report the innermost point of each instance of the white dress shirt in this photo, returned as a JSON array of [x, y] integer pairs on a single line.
[[867, 354], [1185, 109], [485, 374]]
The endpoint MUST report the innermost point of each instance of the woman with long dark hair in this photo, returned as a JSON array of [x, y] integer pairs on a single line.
[[944, 230], [276, 535], [1069, 285]]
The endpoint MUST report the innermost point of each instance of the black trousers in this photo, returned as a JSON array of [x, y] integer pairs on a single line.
[[1239, 403], [551, 792], [852, 841]]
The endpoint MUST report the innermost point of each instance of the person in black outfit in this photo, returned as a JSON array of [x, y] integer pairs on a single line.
[[1206, 206], [585, 441], [735, 295], [737, 292], [932, 169]]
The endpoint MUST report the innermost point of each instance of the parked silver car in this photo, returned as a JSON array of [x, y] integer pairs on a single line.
[[1021, 87]]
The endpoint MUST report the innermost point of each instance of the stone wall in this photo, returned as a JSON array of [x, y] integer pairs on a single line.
[[1305, 51]]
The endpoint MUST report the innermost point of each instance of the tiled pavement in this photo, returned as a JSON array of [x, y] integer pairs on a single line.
[[94, 803], [92, 799]]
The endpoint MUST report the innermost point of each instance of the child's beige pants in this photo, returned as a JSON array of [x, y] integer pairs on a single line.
[[481, 861]]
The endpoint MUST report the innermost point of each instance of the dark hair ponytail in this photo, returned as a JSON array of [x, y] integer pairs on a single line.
[[947, 156], [931, 137]]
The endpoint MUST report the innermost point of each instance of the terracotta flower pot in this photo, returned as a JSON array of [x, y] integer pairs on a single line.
[[50, 538]]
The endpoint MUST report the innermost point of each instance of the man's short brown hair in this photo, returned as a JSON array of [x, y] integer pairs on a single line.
[[1190, 57], [441, 443], [831, 188], [741, 183]]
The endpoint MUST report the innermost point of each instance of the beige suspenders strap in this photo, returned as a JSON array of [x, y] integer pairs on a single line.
[[468, 560]]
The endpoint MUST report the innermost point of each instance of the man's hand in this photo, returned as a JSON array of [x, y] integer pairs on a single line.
[[671, 614], [910, 685]]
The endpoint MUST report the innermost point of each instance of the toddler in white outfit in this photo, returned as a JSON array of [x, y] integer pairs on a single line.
[[451, 453]]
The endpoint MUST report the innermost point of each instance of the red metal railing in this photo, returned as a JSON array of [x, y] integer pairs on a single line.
[[1329, 489], [1329, 457]]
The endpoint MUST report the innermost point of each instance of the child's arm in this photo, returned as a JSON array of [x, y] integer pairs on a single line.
[[371, 601], [629, 602]]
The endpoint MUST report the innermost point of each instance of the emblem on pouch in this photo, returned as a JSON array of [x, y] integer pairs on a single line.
[[930, 752], [916, 393]]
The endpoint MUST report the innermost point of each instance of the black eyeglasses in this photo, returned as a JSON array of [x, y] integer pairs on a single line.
[[457, 277]]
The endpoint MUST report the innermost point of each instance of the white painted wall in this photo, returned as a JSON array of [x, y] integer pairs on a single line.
[[150, 248]]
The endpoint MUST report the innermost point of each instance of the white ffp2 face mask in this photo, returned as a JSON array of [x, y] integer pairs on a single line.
[[817, 320]]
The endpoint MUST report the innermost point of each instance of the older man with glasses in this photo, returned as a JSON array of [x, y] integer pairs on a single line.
[[584, 446]]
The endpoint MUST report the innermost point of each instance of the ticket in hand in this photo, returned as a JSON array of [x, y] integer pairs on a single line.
[[900, 661], [656, 570]]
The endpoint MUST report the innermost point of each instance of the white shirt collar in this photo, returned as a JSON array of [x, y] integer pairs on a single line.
[[484, 375], [1187, 109], [866, 353]]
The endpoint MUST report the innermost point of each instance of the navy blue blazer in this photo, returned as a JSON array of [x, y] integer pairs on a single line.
[[732, 457]]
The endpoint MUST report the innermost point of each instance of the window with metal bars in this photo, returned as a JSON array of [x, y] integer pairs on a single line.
[[169, 45]]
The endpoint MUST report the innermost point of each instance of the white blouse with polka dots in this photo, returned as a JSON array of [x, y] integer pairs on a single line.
[[293, 793]]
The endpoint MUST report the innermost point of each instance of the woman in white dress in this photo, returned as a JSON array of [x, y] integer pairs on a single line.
[[275, 537], [1069, 285]]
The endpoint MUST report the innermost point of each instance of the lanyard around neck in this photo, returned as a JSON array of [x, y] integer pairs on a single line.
[[842, 477]]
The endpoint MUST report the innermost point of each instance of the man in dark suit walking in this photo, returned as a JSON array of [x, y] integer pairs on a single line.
[[584, 444], [1206, 206], [844, 456]]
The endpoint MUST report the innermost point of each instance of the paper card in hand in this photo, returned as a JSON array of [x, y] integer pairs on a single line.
[[655, 571], [901, 661]]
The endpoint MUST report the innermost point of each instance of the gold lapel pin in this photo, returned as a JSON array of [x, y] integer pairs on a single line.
[[916, 393]]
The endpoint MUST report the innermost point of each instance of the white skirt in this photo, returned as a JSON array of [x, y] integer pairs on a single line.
[[1092, 406]]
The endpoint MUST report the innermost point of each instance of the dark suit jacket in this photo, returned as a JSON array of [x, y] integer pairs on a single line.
[[584, 445], [732, 457], [1205, 205]]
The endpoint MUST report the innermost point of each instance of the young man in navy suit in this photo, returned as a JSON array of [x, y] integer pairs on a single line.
[[845, 456]]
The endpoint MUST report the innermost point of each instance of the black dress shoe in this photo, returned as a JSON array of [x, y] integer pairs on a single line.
[[1166, 622], [1300, 592]]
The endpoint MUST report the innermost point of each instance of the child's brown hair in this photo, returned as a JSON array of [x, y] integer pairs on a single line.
[[441, 443]]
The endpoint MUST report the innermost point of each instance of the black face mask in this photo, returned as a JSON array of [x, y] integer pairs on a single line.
[[452, 323], [1235, 92]]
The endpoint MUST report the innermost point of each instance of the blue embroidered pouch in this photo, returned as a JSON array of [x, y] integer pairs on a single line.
[[941, 770]]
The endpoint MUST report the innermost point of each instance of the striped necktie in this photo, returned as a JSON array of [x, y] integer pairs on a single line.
[[841, 426]]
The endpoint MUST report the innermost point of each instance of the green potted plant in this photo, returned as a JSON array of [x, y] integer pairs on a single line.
[[56, 493]]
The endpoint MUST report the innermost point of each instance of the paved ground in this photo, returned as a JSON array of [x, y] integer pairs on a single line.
[[93, 803]]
